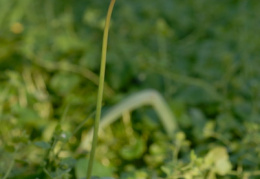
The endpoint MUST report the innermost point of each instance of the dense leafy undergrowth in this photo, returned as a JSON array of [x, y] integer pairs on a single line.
[[202, 56]]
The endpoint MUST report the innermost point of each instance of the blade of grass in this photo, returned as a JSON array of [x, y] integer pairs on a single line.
[[135, 101], [9, 169], [100, 88]]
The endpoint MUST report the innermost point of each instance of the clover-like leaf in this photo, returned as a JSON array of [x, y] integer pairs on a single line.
[[217, 159]]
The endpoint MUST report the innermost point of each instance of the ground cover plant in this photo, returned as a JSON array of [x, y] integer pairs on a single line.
[[200, 56]]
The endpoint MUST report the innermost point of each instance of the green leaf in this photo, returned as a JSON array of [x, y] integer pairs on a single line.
[[134, 150], [42, 144], [64, 136], [217, 159], [59, 172], [62, 83], [68, 163], [98, 169], [27, 115]]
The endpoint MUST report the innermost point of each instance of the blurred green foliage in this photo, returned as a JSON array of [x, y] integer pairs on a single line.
[[203, 56]]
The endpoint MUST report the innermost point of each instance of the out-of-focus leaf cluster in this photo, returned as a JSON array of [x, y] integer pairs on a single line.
[[203, 56]]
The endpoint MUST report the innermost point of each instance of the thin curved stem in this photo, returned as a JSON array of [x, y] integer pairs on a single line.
[[100, 88], [136, 100], [9, 169]]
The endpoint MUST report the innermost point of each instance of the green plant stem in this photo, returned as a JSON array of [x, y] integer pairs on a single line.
[[185, 80], [82, 123], [9, 169], [76, 69], [100, 88]]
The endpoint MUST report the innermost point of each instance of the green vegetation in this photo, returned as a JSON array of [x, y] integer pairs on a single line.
[[199, 57], [100, 88]]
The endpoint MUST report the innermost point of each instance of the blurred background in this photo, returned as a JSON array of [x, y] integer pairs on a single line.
[[202, 56]]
